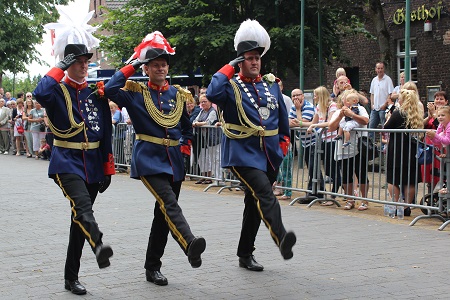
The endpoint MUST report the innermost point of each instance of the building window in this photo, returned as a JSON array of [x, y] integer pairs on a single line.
[[401, 59]]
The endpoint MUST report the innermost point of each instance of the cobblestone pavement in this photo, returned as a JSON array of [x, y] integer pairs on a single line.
[[343, 255]]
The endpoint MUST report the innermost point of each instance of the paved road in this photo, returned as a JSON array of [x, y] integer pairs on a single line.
[[338, 256]]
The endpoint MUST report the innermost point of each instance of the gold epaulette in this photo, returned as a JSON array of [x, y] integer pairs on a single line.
[[183, 94], [132, 86]]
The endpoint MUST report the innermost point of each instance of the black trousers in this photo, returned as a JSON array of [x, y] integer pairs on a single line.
[[168, 216], [83, 225], [260, 204]]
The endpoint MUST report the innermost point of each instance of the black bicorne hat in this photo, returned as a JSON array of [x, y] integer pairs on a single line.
[[246, 46], [153, 53], [78, 50]]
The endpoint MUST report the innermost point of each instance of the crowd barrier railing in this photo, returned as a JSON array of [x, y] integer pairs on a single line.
[[317, 183]]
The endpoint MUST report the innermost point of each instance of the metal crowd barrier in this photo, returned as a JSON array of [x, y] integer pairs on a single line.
[[204, 163]]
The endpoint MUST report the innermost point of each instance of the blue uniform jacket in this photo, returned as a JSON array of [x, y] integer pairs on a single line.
[[150, 158], [91, 165], [247, 152]]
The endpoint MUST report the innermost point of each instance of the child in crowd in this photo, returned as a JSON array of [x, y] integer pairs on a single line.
[[441, 137], [348, 124], [44, 151]]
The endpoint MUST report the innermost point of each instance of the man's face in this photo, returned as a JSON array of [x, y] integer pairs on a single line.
[[251, 66], [157, 69], [379, 68], [8, 95], [78, 71], [297, 96]]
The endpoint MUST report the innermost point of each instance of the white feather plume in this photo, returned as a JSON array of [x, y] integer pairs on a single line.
[[251, 30], [72, 31]]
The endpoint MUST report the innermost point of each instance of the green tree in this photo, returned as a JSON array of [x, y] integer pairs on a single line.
[[203, 31], [21, 30], [16, 85]]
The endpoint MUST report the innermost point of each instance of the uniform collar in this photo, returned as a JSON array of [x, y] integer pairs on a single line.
[[248, 79], [158, 88], [76, 85]]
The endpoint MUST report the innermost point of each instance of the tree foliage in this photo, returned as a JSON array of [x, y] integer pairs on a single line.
[[21, 30], [203, 31], [16, 85]]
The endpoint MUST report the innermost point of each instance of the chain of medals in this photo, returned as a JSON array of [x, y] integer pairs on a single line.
[[263, 111]]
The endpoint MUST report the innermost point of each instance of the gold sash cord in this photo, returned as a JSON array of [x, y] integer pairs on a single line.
[[75, 128], [169, 120], [247, 128]]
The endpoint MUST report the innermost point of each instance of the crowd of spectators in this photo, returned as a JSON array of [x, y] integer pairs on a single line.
[[23, 125]]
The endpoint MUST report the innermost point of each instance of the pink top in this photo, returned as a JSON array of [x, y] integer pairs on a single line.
[[442, 135]]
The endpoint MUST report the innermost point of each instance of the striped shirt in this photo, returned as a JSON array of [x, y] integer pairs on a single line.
[[307, 115]]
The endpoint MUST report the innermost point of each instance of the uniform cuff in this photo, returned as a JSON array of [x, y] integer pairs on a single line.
[[108, 167], [56, 73], [227, 70], [128, 71]]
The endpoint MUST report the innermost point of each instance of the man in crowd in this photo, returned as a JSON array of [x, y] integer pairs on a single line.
[[381, 88], [256, 139], [301, 115], [82, 162]]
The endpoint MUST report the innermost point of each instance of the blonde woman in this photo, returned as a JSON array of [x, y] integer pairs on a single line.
[[403, 169], [324, 111], [29, 106]]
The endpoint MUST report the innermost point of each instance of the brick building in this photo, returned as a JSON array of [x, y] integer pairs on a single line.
[[430, 49]]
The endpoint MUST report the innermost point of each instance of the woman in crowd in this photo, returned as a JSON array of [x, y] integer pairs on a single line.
[[29, 105], [403, 168], [325, 108], [209, 155], [398, 88], [431, 122], [353, 163], [192, 108], [4, 118], [17, 116], [36, 117]]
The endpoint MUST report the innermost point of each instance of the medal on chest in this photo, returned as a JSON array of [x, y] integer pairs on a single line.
[[264, 112]]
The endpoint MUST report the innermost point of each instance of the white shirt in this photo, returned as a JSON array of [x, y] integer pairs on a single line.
[[381, 89], [288, 102]]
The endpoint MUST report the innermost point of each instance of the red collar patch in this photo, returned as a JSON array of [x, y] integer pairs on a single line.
[[158, 88], [250, 80]]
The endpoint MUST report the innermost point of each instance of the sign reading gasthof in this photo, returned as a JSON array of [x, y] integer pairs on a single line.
[[422, 13]]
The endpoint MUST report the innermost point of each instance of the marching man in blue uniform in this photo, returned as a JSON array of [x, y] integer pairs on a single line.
[[82, 162], [162, 127], [256, 138]]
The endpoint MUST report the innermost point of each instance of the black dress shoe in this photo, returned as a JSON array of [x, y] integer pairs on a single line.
[[75, 287], [286, 245], [103, 253], [156, 277], [250, 263], [196, 248]]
